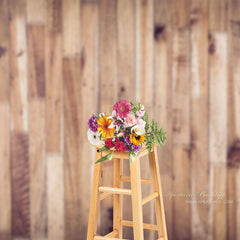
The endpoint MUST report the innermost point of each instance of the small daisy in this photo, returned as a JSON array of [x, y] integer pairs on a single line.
[[94, 137]]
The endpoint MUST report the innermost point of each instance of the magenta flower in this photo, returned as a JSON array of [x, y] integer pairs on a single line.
[[122, 108]]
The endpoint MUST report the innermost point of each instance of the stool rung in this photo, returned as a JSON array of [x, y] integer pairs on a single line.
[[112, 234], [145, 225], [105, 195], [143, 180], [107, 238], [115, 190], [149, 198]]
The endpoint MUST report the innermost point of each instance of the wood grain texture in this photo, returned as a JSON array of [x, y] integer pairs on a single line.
[[162, 98], [126, 49], [218, 97], [72, 147], [199, 118], [71, 27], [218, 199], [181, 114], [18, 65], [36, 11], [234, 56], [107, 90], [5, 173], [144, 50], [36, 68], [217, 15], [38, 176], [53, 93], [20, 184], [238, 208], [54, 15], [55, 193], [4, 51], [89, 98], [62, 60]]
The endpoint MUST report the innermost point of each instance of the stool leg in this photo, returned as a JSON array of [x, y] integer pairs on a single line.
[[117, 198], [94, 205], [136, 199], [159, 208]]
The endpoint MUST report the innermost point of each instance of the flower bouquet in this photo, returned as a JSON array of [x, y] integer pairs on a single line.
[[126, 130]]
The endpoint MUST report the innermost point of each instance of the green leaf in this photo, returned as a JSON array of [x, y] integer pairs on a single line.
[[106, 157], [104, 148]]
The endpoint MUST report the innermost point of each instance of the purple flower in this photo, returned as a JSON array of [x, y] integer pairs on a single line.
[[127, 140], [126, 148], [92, 124], [136, 148]]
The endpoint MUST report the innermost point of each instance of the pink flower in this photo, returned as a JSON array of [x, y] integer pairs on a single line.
[[140, 113], [122, 108], [141, 122], [131, 120]]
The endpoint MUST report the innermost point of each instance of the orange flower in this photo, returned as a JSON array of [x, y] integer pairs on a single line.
[[103, 128]]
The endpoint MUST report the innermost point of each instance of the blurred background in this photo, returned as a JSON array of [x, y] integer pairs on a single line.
[[62, 60]]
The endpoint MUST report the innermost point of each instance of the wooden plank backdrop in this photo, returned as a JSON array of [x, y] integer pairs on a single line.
[[62, 60]]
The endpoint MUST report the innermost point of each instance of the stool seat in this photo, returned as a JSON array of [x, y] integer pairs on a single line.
[[100, 192]]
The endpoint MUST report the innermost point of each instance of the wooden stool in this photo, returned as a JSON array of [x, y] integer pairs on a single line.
[[100, 192]]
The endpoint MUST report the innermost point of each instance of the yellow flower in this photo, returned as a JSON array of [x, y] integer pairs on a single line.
[[137, 139], [103, 128]]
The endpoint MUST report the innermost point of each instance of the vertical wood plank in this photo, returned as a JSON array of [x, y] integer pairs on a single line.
[[145, 81], [55, 193], [126, 20], [126, 50], [162, 98], [36, 11], [71, 27], [233, 117], [20, 185], [218, 96], [36, 68], [5, 174], [107, 54], [238, 208], [234, 63], [219, 207], [107, 89], [218, 62], [89, 98], [18, 65], [181, 119], [37, 162], [232, 206], [199, 117], [53, 66], [144, 58], [72, 147], [217, 15], [4, 51]]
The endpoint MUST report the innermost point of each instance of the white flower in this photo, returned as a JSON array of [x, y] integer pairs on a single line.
[[138, 129], [94, 137]]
